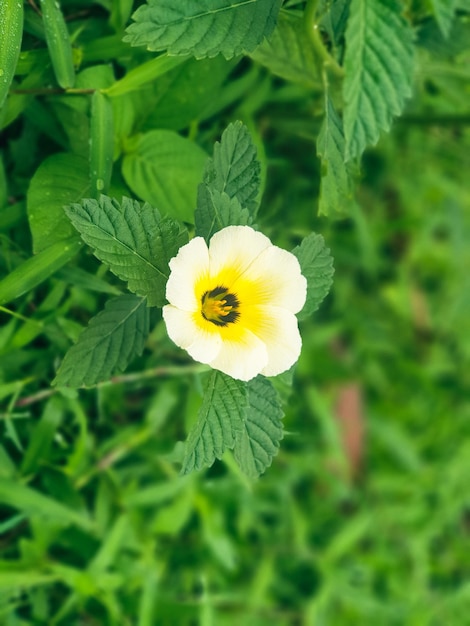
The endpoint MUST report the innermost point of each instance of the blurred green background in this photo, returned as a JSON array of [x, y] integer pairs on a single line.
[[364, 516]]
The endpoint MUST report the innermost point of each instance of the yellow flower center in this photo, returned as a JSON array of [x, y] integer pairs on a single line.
[[220, 307]]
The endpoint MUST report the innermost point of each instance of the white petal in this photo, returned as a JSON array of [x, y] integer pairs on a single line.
[[243, 359], [202, 345], [278, 279], [280, 334], [236, 247], [189, 266]]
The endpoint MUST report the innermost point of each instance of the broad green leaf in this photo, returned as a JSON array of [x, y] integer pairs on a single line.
[[32, 502], [234, 167], [204, 28], [111, 340], [257, 442], [133, 240], [42, 436], [219, 420], [316, 264], [37, 269], [288, 52], [379, 70], [217, 210], [337, 177], [444, 12], [59, 180], [164, 169], [11, 33]]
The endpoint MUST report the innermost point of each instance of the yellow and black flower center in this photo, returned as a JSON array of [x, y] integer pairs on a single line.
[[220, 307]]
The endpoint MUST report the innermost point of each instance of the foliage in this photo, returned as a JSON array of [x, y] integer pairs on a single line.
[[347, 109]]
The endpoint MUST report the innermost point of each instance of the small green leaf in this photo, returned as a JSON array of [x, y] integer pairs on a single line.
[[316, 264], [42, 436], [143, 74], [234, 167], [134, 240], [58, 43], [204, 28], [288, 52], [337, 177], [379, 70], [164, 169], [217, 210], [111, 340], [219, 420], [37, 269], [59, 180], [444, 12], [258, 441]]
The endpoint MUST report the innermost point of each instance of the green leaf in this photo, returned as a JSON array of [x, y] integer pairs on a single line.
[[32, 502], [217, 210], [337, 177], [101, 143], [11, 32], [143, 74], [288, 52], [42, 436], [234, 167], [37, 269], [379, 70], [219, 420], [133, 240], [258, 441], [444, 12], [60, 179], [111, 340], [204, 28], [164, 169], [316, 264]]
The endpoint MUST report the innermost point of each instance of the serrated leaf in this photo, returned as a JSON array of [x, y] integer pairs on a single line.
[[334, 20], [379, 69], [316, 264], [217, 210], [204, 28], [111, 340], [444, 12], [60, 179], [258, 441], [219, 420], [288, 52], [337, 177], [234, 167], [133, 240], [165, 169]]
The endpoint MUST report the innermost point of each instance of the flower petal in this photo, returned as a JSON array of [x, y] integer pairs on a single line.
[[243, 359], [278, 330], [182, 329], [188, 268], [274, 279], [233, 249]]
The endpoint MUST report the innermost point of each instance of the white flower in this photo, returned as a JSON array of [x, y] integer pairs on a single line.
[[233, 304]]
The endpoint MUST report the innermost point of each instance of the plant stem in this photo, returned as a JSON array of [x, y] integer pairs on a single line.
[[313, 31]]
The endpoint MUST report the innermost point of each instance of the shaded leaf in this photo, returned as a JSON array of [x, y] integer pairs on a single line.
[[134, 240], [257, 442], [316, 264], [164, 169], [111, 340], [60, 179], [219, 420], [288, 52], [204, 28], [444, 12], [379, 68]]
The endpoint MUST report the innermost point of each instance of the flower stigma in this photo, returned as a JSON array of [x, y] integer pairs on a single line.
[[220, 307]]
